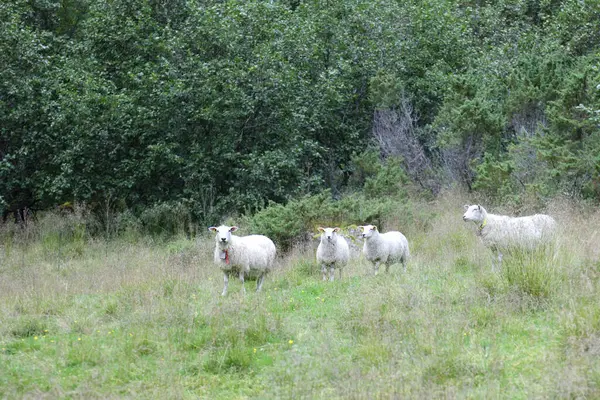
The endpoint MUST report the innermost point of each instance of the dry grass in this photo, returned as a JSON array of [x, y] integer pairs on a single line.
[[137, 318]]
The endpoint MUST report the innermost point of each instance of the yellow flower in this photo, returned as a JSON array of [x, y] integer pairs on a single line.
[[35, 338], [255, 350], [131, 334], [45, 330], [291, 341], [78, 338]]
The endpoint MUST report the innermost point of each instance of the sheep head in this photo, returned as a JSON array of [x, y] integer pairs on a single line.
[[328, 233], [223, 236], [474, 213], [367, 230]]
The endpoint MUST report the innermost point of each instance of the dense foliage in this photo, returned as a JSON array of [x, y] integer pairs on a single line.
[[207, 108]]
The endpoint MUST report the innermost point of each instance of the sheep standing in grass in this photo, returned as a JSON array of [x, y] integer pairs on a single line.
[[333, 252], [387, 248], [500, 232], [250, 256]]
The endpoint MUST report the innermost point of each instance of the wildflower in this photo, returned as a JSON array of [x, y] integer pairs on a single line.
[[255, 350], [78, 338], [52, 341], [35, 338], [291, 341], [45, 330], [130, 334]]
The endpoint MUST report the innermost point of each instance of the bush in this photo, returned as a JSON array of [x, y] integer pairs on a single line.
[[534, 272], [166, 219]]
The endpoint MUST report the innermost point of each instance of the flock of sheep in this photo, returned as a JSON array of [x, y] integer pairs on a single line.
[[254, 255]]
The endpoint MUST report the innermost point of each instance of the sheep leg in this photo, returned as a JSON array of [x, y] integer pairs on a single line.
[[259, 282], [324, 271], [226, 282], [387, 268], [242, 280], [404, 264], [340, 273], [331, 273], [496, 255], [376, 265]]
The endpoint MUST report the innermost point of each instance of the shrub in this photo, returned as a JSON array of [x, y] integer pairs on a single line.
[[166, 218], [384, 192], [534, 272]]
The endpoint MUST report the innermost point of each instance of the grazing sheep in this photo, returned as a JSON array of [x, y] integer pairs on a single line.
[[250, 256], [387, 248], [499, 232], [333, 252]]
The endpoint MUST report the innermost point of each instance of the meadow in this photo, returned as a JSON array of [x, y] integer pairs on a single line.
[[136, 317]]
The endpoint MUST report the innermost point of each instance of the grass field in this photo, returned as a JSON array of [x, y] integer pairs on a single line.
[[86, 318]]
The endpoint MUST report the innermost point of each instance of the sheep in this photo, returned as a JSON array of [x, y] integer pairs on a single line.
[[333, 252], [387, 248], [250, 256], [501, 232]]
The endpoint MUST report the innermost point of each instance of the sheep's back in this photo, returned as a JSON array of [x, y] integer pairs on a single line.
[[260, 251], [397, 244], [390, 245], [526, 231]]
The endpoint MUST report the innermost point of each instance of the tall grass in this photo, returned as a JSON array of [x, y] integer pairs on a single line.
[[99, 318]]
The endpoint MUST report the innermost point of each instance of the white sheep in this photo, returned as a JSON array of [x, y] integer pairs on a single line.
[[333, 252], [387, 248], [251, 256], [500, 232]]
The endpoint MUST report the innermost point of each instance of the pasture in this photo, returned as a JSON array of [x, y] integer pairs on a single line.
[[139, 318]]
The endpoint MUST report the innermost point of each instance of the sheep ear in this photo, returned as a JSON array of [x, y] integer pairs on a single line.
[[212, 228], [466, 206], [374, 228], [479, 207], [321, 229], [233, 229], [336, 229]]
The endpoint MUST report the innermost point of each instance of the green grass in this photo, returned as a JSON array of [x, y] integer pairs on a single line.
[[146, 320]]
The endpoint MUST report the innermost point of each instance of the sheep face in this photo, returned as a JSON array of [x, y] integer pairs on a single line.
[[367, 230], [223, 236], [473, 213], [328, 234]]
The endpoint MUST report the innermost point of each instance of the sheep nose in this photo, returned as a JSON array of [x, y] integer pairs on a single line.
[[223, 239]]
